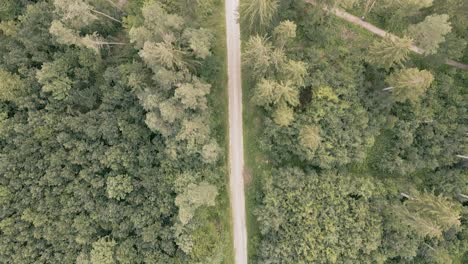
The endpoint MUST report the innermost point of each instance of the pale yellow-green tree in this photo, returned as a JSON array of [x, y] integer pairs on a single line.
[[269, 92], [257, 55], [76, 13], [64, 35], [257, 14], [103, 251], [119, 186], [211, 152], [193, 95], [9, 28], [264, 92], [163, 54], [194, 196], [288, 93], [442, 211], [11, 86], [430, 33], [295, 72], [194, 133], [68, 36], [284, 32], [389, 51], [428, 215], [79, 13], [283, 115], [278, 60], [409, 84], [309, 137], [171, 110], [200, 41]]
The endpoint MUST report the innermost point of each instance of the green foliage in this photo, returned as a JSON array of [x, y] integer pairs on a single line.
[[411, 202], [199, 41], [388, 52], [119, 186], [163, 53], [296, 72], [179, 110], [69, 36], [428, 215], [283, 115], [193, 95], [309, 137], [409, 84], [64, 35], [54, 79], [258, 14], [257, 55], [193, 197], [11, 86], [279, 78], [77, 13], [284, 32], [430, 33], [310, 218], [9, 9], [270, 92], [211, 152], [83, 178], [103, 251]]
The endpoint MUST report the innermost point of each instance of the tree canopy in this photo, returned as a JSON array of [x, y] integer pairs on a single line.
[[107, 135], [365, 164]]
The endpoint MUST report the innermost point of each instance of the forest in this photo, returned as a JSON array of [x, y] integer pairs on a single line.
[[114, 141], [356, 144], [112, 134]]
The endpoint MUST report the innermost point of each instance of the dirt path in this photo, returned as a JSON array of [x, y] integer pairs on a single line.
[[380, 32], [236, 144]]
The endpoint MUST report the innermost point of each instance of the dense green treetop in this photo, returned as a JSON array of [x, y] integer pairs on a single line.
[[87, 175]]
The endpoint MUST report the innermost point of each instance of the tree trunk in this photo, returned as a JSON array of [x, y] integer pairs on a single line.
[[462, 156], [406, 196], [106, 15], [429, 246], [380, 32], [388, 88], [110, 43]]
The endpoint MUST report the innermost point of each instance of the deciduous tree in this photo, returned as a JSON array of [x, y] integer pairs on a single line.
[[54, 79], [203, 194], [119, 186], [103, 251], [11, 86], [200, 41]]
